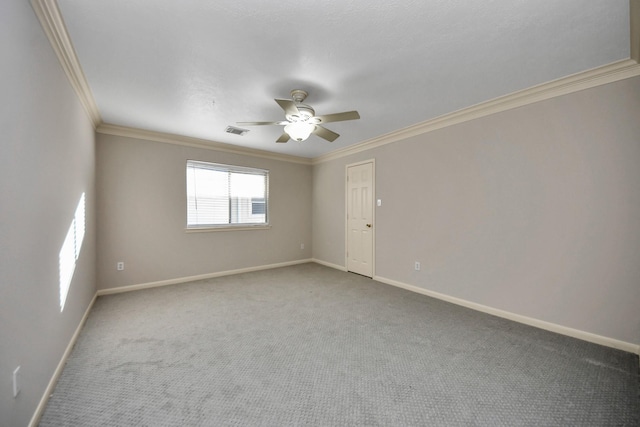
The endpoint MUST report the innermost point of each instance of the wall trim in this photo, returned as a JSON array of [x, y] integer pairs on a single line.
[[541, 324], [634, 18], [130, 288], [148, 135], [329, 264], [587, 79], [53, 25], [563, 330], [37, 415]]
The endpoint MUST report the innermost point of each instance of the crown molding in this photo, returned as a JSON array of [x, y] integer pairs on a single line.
[[53, 25], [168, 138], [588, 79], [55, 29]]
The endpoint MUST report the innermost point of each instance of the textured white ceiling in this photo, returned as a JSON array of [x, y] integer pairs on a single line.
[[192, 67]]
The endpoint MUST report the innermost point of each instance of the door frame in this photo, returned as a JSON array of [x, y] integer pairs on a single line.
[[373, 213]]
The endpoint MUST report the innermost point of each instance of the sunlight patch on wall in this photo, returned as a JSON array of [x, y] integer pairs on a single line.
[[70, 250]]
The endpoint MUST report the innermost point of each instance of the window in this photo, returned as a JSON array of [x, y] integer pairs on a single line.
[[223, 195]]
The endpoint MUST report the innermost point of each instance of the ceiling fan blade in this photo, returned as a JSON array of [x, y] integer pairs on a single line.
[[284, 122], [283, 138], [339, 117], [325, 133], [288, 106]]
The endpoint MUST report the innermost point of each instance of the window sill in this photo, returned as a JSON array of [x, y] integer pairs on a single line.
[[227, 228]]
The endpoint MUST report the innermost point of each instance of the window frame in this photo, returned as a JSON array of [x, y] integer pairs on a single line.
[[221, 167]]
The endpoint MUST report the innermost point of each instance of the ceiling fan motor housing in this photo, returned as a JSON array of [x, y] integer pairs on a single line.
[[298, 95], [305, 112]]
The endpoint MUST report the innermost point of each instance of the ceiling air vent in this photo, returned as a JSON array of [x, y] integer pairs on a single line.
[[236, 131]]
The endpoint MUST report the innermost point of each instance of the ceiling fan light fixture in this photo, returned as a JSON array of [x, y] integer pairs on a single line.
[[301, 120], [299, 131]]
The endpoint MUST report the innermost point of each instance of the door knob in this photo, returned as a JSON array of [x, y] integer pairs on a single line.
[[369, 225]]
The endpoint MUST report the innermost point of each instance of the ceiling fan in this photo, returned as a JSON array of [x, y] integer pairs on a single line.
[[301, 120]]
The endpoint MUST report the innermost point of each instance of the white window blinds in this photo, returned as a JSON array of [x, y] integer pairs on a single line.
[[219, 195]]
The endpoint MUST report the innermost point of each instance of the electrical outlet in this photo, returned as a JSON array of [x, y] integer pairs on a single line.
[[417, 266], [301, 246], [16, 381], [120, 266]]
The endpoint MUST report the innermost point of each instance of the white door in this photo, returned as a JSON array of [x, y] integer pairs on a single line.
[[360, 219]]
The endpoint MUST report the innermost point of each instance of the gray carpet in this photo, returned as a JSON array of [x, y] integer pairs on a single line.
[[308, 345]]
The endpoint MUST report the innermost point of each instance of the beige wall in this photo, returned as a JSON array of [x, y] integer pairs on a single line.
[[142, 215], [535, 211], [47, 162]]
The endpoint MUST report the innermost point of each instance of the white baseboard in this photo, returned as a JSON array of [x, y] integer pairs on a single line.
[[541, 324], [329, 264], [35, 419], [559, 329], [178, 280], [563, 330]]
